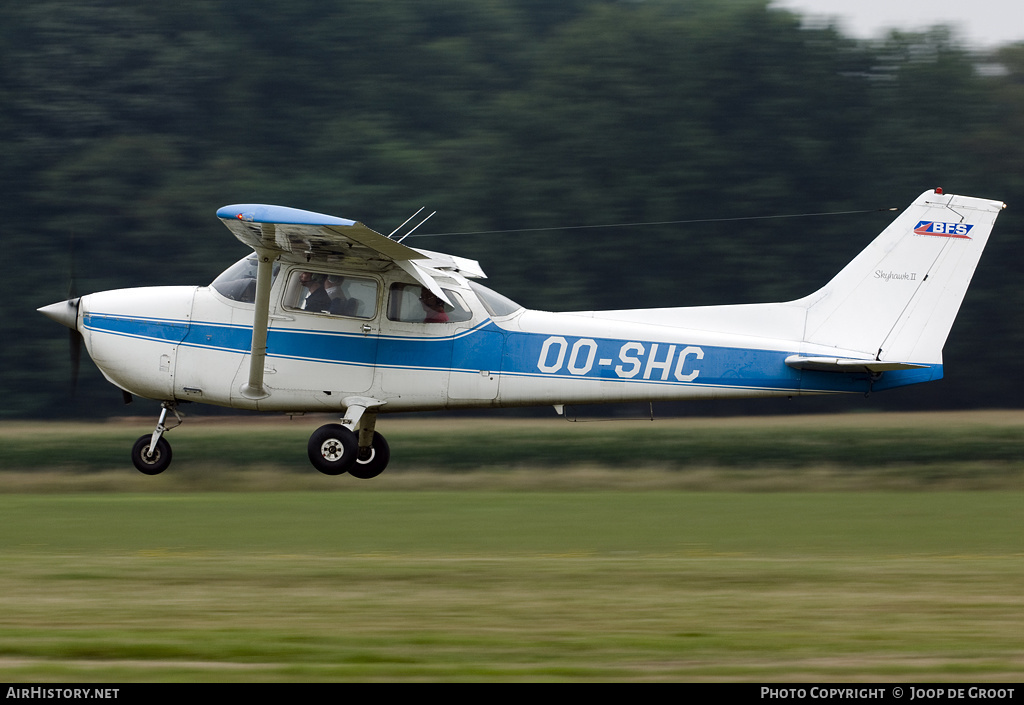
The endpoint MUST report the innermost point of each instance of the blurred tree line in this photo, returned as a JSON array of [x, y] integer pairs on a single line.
[[126, 125]]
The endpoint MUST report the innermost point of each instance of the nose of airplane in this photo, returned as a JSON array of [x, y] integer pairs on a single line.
[[63, 312], [66, 313]]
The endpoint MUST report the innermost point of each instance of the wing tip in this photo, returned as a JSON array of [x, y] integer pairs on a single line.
[[280, 215]]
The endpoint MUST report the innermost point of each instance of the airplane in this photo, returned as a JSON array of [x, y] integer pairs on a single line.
[[327, 315]]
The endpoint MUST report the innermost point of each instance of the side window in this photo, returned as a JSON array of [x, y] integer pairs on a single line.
[[412, 303], [339, 295]]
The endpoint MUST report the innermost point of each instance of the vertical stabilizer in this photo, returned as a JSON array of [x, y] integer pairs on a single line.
[[896, 301]]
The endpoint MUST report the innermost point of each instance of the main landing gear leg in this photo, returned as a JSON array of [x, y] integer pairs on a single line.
[[151, 454], [351, 446], [373, 454]]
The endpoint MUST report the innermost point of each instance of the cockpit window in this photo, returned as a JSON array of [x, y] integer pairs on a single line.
[[238, 282], [496, 304]]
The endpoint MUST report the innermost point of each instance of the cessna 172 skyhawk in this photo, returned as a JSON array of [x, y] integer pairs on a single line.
[[329, 316]]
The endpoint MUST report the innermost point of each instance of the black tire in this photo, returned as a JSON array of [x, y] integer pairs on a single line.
[[332, 449], [375, 461], [151, 464]]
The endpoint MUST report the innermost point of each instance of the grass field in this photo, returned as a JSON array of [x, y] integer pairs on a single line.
[[847, 548]]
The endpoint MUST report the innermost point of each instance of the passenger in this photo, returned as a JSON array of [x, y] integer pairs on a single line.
[[317, 298], [434, 308]]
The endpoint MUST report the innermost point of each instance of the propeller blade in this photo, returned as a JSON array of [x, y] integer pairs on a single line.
[[72, 289], [66, 313], [76, 358]]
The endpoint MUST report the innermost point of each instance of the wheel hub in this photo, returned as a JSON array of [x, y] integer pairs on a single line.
[[332, 450]]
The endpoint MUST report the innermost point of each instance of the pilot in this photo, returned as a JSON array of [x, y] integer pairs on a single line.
[[434, 308], [317, 298]]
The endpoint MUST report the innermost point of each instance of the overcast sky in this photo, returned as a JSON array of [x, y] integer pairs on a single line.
[[982, 23]]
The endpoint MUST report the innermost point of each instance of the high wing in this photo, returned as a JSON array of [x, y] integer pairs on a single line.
[[304, 232], [290, 230], [275, 230]]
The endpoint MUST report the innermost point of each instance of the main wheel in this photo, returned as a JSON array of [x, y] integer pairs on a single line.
[[375, 460], [332, 449], [151, 464]]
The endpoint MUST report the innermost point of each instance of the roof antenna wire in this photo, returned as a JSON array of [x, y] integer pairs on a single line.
[[417, 225], [406, 221]]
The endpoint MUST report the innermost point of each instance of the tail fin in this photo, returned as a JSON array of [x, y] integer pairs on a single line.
[[896, 301]]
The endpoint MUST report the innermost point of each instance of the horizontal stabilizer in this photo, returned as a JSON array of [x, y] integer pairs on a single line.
[[846, 364]]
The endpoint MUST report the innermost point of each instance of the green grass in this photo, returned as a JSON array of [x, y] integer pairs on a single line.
[[488, 523], [491, 585], [830, 568]]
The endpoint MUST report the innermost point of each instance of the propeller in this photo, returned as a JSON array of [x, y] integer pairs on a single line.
[[75, 338], [75, 341], [66, 313]]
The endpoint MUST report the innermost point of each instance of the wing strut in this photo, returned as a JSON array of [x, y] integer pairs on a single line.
[[260, 322]]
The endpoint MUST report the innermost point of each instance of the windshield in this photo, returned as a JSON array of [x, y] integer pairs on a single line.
[[496, 304], [238, 282]]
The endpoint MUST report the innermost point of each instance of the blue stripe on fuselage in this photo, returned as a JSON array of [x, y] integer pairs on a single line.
[[161, 329], [515, 353], [647, 362]]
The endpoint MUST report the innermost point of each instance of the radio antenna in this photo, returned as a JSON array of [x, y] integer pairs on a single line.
[[406, 221], [417, 225]]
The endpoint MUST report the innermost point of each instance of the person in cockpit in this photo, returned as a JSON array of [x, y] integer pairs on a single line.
[[434, 308], [317, 298]]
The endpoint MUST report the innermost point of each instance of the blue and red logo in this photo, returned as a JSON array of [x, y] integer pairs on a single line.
[[937, 229]]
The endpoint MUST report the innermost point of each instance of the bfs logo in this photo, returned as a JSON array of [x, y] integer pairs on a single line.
[[937, 229]]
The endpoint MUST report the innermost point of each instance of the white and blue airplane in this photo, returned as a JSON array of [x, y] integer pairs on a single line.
[[328, 315]]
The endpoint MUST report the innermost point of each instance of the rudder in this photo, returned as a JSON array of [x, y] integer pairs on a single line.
[[896, 301]]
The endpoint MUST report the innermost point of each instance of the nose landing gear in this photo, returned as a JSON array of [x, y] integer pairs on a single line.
[[151, 454]]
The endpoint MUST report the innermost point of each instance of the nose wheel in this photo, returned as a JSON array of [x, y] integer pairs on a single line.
[[151, 462], [151, 454]]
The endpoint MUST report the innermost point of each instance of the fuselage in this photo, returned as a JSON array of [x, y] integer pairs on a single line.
[[193, 344]]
